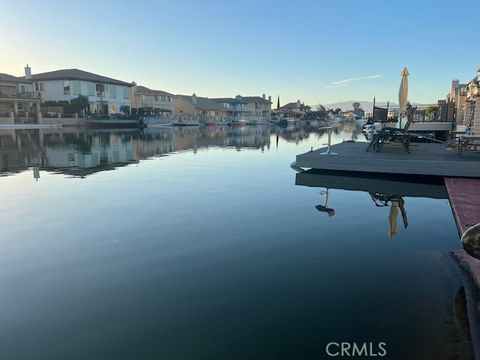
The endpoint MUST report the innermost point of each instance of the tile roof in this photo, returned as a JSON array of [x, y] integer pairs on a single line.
[[145, 90], [76, 74], [203, 103], [7, 77], [229, 100], [257, 99]]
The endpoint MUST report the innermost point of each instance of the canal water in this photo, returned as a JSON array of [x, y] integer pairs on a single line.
[[203, 243]]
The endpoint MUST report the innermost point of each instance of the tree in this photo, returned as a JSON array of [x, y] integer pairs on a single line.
[[321, 112], [78, 104], [432, 111]]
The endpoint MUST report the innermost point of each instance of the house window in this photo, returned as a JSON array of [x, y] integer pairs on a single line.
[[24, 89], [76, 87], [100, 89], [90, 89], [66, 87], [157, 98], [126, 92], [39, 86], [113, 91]]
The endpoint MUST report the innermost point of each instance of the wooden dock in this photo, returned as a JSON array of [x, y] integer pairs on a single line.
[[424, 159], [464, 198]]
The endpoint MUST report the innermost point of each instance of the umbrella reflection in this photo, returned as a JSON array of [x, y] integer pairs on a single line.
[[397, 204], [324, 208]]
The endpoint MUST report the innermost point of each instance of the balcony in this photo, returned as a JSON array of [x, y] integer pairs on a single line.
[[20, 95]]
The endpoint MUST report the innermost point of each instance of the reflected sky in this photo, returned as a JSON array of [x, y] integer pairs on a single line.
[[203, 243]]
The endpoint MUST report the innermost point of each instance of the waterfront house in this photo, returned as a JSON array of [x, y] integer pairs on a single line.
[[257, 108], [18, 100], [105, 95], [458, 96], [294, 109], [472, 104], [197, 106], [148, 100], [466, 100]]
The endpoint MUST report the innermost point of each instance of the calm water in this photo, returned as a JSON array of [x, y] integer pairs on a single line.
[[204, 244]]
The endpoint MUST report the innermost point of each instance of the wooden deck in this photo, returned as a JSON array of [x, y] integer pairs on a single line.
[[424, 159], [464, 197]]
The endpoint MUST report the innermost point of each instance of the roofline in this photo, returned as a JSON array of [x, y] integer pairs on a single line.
[[110, 81]]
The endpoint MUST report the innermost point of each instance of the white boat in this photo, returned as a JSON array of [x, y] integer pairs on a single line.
[[186, 122], [238, 122], [157, 121]]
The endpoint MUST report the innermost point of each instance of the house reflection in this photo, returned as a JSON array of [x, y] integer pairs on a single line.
[[80, 152]]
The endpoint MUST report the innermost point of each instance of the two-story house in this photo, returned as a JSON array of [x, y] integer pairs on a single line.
[[18, 101], [294, 109], [105, 95], [251, 108], [197, 106], [154, 101]]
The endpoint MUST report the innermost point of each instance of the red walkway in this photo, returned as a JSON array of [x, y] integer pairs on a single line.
[[464, 194]]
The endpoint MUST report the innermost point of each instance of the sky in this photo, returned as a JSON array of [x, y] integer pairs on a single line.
[[315, 51]]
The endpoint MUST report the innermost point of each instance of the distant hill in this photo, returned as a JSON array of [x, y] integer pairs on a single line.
[[365, 105]]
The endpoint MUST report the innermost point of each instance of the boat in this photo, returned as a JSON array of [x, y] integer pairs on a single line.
[[115, 122], [186, 122], [157, 121], [238, 122]]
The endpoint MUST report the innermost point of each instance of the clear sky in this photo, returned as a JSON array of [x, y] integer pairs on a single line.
[[316, 51]]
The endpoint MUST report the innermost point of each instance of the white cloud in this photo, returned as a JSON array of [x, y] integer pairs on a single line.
[[349, 80]]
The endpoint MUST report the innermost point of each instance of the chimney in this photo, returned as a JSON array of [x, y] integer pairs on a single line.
[[194, 98], [270, 98], [28, 72], [263, 96]]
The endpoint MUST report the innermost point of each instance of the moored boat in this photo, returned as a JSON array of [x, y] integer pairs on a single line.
[[114, 122]]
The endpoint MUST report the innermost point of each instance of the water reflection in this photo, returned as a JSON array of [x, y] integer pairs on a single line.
[[396, 204], [198, 250], [324, 208], [80, 152], [387, 191]]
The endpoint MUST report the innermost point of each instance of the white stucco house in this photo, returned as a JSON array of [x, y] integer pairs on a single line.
[[105, 95]]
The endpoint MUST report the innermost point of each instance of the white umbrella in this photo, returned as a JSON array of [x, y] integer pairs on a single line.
[[403, 93]]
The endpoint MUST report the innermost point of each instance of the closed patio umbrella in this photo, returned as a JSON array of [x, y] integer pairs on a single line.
[[392, 219], [403, 94]]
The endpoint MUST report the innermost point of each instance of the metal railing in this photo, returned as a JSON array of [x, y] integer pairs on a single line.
[[20, 95]]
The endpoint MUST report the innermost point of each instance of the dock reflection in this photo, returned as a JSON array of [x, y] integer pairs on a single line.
[[386, 191]]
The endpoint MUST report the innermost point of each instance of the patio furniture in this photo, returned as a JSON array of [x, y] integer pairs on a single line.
[[329, 144], [392, 134], [468, 143]]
